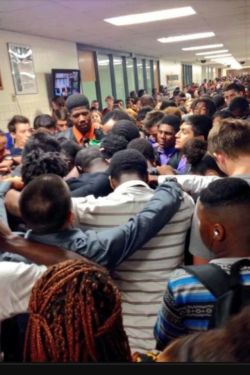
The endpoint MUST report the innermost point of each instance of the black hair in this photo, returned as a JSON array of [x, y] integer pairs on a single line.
[[43, 141], [195, 151], [234, 86], [227, 191], [142, 113], [239, 106], [76, 100], [112, 143], [45, 204], [69, 149], [16, 120], [115, 115], [219, 101], [171, 120], [147, 100], [44, 121], [128, 161], [38, 162], [167, 103], [201, 124], [85, 156], [125, 128], [223, 114], [144, 147], [209, 104]]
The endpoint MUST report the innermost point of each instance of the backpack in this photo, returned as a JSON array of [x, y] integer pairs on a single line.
[[231, 295]]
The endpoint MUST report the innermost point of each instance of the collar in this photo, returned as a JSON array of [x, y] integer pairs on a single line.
[[79, 136], [133, 183], [227, 260]]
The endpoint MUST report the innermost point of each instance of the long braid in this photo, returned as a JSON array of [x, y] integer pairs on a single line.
[[75, 315]]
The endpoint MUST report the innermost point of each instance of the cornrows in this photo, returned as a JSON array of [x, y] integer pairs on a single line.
[[75, 316]]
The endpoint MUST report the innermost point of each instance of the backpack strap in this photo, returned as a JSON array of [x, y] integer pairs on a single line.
[[212, 277]]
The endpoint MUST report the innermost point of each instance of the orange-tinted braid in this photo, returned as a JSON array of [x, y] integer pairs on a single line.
[[75, 316]]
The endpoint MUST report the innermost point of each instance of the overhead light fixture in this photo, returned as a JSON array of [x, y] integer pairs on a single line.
[[181, 38], [222, 55], [208, 46], [211, 52], [159, 15], [228, 61]]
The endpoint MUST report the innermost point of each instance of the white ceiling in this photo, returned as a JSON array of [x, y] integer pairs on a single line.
[[82, 21]]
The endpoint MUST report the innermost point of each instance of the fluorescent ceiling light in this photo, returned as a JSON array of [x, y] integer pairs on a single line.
[[159, 15], [211, 52], [228, 61], [208, 46], [181, 38], [222, 55]]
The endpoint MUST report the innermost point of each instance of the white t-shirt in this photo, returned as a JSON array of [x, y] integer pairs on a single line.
[[16, 283]]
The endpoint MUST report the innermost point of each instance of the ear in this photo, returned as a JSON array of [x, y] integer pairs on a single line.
[[113, 182], [70, 219], [218, 233]]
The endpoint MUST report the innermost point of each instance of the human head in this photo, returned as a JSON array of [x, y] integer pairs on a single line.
[[46, 122], [37, 162], [95, 116], [220, 115], [228, 143], [167, 129], [45, 204], [111, 144], [239, 106], [151, 121], [87, 159], [109, 100], [141, 114], [78, 107], [126, 165], [167, 103], [69, 150], [173, 111], [119, 104], [227, 344], [219, 102], [232, 90], [196, 126], [20, 130], [126, 128], [147, 100], [75, 316], [95, 105], [201, 162], [61, 117], [143, 146], [203, 106], [43, 141], [57, 103], [224, 214], [111, 118]]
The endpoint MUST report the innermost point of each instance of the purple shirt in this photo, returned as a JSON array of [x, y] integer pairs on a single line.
[[166, 154]]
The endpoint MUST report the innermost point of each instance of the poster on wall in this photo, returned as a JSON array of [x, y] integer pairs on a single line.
[[22, 69]]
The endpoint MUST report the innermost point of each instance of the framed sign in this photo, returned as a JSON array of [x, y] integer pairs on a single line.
[[22, 69]]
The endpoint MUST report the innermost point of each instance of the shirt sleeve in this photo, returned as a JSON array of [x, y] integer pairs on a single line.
[[191, 183], [17, 280], [169, 321]]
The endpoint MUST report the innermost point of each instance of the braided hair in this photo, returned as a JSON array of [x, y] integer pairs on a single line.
[[75, 316]]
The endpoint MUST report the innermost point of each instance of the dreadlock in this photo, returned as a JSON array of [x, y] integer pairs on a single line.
[[75, 316]]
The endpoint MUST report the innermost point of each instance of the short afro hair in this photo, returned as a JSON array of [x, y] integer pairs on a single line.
[[111, 144], [128, 161], [142, 145], [127, 129]]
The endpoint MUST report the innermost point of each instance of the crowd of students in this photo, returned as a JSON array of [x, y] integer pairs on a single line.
[[100, 210]]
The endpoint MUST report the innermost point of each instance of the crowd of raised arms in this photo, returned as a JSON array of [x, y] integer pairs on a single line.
[[104, 211]]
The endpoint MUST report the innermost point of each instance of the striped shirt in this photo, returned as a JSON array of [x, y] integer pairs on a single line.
[[187, 305], [141, 278]]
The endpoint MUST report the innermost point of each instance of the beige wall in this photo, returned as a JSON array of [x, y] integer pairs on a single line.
[[170, 68], [47, 54]]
